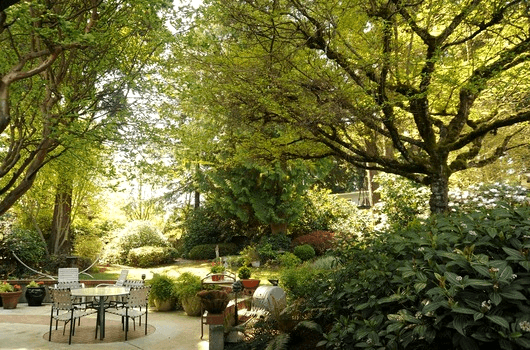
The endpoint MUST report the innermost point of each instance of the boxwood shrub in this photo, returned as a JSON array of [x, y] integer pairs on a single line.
[[207, 251], [150, 256], [304, 252]]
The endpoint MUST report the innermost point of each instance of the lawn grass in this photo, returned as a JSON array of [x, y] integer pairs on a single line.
[[199, 268]]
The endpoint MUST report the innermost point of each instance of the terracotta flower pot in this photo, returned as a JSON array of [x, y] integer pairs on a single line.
[[218, 278], [250, 283], [10, 299], [35, 295]]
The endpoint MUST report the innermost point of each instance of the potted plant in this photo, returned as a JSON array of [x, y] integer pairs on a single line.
[[10, 295], [35, 293], [162, 292], [244, 274], [217, 270], [186, 288]]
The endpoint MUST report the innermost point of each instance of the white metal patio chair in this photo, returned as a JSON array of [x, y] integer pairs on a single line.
[[62, 300], [135, 305]]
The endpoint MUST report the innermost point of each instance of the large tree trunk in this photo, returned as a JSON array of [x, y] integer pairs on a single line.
[[439, 199], [60, 235]]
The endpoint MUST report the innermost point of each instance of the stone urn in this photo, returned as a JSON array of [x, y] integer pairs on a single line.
[[192, 306], [164, 305], [35, 295], [10, 299]]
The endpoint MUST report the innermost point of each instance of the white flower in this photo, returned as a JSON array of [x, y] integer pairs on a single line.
[[418, 315], [514, 276], [421, 249], [472, 233], [525, 326], [458, 278], [486, 305], [368, 341]]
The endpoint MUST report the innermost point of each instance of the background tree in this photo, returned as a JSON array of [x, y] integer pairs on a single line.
[[410, 88], [66, 70]]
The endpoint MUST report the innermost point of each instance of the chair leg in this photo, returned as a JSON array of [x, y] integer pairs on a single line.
[[126, 323], [145, 321], [51, 322], [72, 321]]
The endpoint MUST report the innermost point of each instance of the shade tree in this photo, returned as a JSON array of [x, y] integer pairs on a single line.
[[417, 89], [67, 70]]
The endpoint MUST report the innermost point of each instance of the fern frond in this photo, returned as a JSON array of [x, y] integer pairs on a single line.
[[311, 325], [279, 342]]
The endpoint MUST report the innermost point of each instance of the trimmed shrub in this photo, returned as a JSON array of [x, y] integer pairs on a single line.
[[289, 260], [136, 234], [207, 251], [304, 252], [321, 241], [150, 256]]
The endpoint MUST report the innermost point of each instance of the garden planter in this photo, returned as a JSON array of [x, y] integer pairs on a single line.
[[10, 299], [35, 295], [214, 301], [250, 283], [192, 306], [164, 305]]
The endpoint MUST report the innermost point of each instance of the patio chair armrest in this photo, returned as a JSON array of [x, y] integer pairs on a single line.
[[117, 303]]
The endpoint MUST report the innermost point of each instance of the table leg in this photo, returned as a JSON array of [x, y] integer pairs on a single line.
[[101, 315]]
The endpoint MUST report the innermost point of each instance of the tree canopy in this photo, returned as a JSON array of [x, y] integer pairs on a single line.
[[67, 69], [421, 89]]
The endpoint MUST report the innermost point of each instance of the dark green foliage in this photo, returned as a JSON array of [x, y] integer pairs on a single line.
[[454, 282], [150, 256], [201, 226], [207, 251], [304, 252], [244, 272], [26, 244], [278, 242], [269, 193], [162, 287], [299, 282], [321, 241]]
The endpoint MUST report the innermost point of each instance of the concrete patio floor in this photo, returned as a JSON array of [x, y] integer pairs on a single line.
[[173, 330]]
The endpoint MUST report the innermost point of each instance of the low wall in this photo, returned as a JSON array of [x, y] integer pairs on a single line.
[[51, 283]]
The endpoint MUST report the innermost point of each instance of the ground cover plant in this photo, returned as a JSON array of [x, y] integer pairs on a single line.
[[449, 282]]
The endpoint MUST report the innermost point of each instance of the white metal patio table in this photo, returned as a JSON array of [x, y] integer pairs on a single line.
[[101, 294]]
